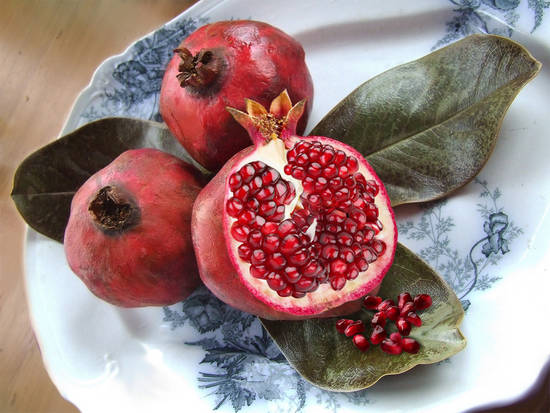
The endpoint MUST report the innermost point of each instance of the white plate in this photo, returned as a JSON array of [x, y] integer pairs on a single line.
[[203, 354]]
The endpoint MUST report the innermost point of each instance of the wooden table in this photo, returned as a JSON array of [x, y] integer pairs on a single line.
[[48, 52]]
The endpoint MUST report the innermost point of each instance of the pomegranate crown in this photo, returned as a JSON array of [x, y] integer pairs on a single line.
[[279, 123]]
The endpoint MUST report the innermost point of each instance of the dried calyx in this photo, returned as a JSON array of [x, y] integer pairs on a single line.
[[200, 70], [113, 210]]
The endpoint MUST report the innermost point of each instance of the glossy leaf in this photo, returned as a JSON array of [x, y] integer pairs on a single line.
[[46, 180], [329, 360], [428, 126]]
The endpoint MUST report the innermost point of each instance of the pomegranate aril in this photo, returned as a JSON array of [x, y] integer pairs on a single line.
[[312, 269], [275, 281], [258, 222], [330, 252], [246, 217], [244, 252], [280, 192], [379, 319], [298, 294], [285, 292], [413, 318], [391, 347], [320, 184], [371, 302], [359, 217], [396, 337], [342, 324], [350, 226], [362, 264], [339, 157], [239, 232], [422, 301], [326, 156], [234, 207], [305, 284], [378, 246], [235, 181], [384, 305], [337, 283], [403, 298], [258, 257], [276, 261], [350, 182], [371, 212], [361, 342], [369, 255], [299, 258], [298, 172], [372, 187], [392, 312], [336, 183], [403, 326], [267, 208], [267, 193], [302, 159], [252, 204], [258, 271], [346, 254], [270, 176], [247, 173], [352, 273], [255, 184], [352, 164], [290, 244], [330, 171], [354, 328], [286, 227], [343, 171], [259, 166], [271, 243], [378, 334], [309, 184], [410, 345], [292, 275], [344, 238], [255, 239], [287, 169], [314, 169], [269, 228], [407, 308], [242, 192], [326, 238], [279, 214]]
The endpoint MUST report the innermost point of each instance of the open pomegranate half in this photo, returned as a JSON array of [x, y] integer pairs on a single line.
[[293, 227]]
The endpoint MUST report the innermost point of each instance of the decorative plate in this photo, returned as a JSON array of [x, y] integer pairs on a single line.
[[489, 240]]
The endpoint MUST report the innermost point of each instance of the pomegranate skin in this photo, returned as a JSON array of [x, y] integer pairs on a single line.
[[215, 266], [145, 257], [258, 61]]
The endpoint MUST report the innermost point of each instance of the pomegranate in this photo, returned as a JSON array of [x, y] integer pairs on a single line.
[[128, 237], [292, 227], [220, 65]]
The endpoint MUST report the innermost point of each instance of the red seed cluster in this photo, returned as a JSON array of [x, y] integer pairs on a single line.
[[336, 196], [404, 314]]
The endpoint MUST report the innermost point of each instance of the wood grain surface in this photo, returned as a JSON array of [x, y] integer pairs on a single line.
[[49, 50]]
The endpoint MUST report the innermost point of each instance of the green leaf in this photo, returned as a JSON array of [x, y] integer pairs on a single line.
[[46, 180], [428, 126], [329, 360]]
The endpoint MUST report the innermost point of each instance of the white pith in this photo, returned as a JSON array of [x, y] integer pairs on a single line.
[[273, 154]]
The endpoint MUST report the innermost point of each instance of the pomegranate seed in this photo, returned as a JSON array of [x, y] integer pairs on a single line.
[[378, 334], [362, 264], [258, 222], [271, 243], [267, 208], [286, 227], [336, 183], [309, 184], [235, 181], [326, 157], [330, 171], [255, 239], [279, 214], [337, 283], [392, 312], [285, 292], [352, 164], [252, 204], [244, 252], [384, 305], [314, 169], [339, 157], [342, 324], [292, 275], [257, 257], [299, 258], [239, 232], [255, 184], [234, 207], [360, 179], [354, 328], [402, 299], [320, 184], [369, 255], [391, 347], [344, 238], [270, 176], [346, 254], [413, 318], [338, 268], [407, 308], [410, 345], [422, 301], [242, 192], [371, 302], [267, 193], [361, 342], [312, 269], [371, 212], [280, 191], [290, 244], [350, 226], [298, 294], [287, 169], [259, 166], [275, 281], [269, 228], [291, 155], [350, 181], [378, 246], [352, 273], [403, 326], [396, 337], [372, 187], [246, 217], [302, 159], [379, 319], [247, 173], [258, 271], [368, 234], [330, 252], [304, 284], [359, 217], [298, 172], [276, 261], [343, 171], [325, 238]]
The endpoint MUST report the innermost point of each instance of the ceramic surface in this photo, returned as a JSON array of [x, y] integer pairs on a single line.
[[489, 240]]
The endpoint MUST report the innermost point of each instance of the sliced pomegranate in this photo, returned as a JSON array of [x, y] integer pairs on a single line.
[[336, 229]]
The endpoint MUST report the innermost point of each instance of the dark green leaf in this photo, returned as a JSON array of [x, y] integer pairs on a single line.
[[45, 181], [428, 126], [329, 359]]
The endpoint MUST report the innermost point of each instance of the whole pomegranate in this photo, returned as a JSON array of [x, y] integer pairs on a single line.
[[292, 227], [128, 237], [220, 65]]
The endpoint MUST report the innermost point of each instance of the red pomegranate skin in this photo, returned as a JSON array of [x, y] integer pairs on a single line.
[[216, 269], [151, 262], [261, 61]]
